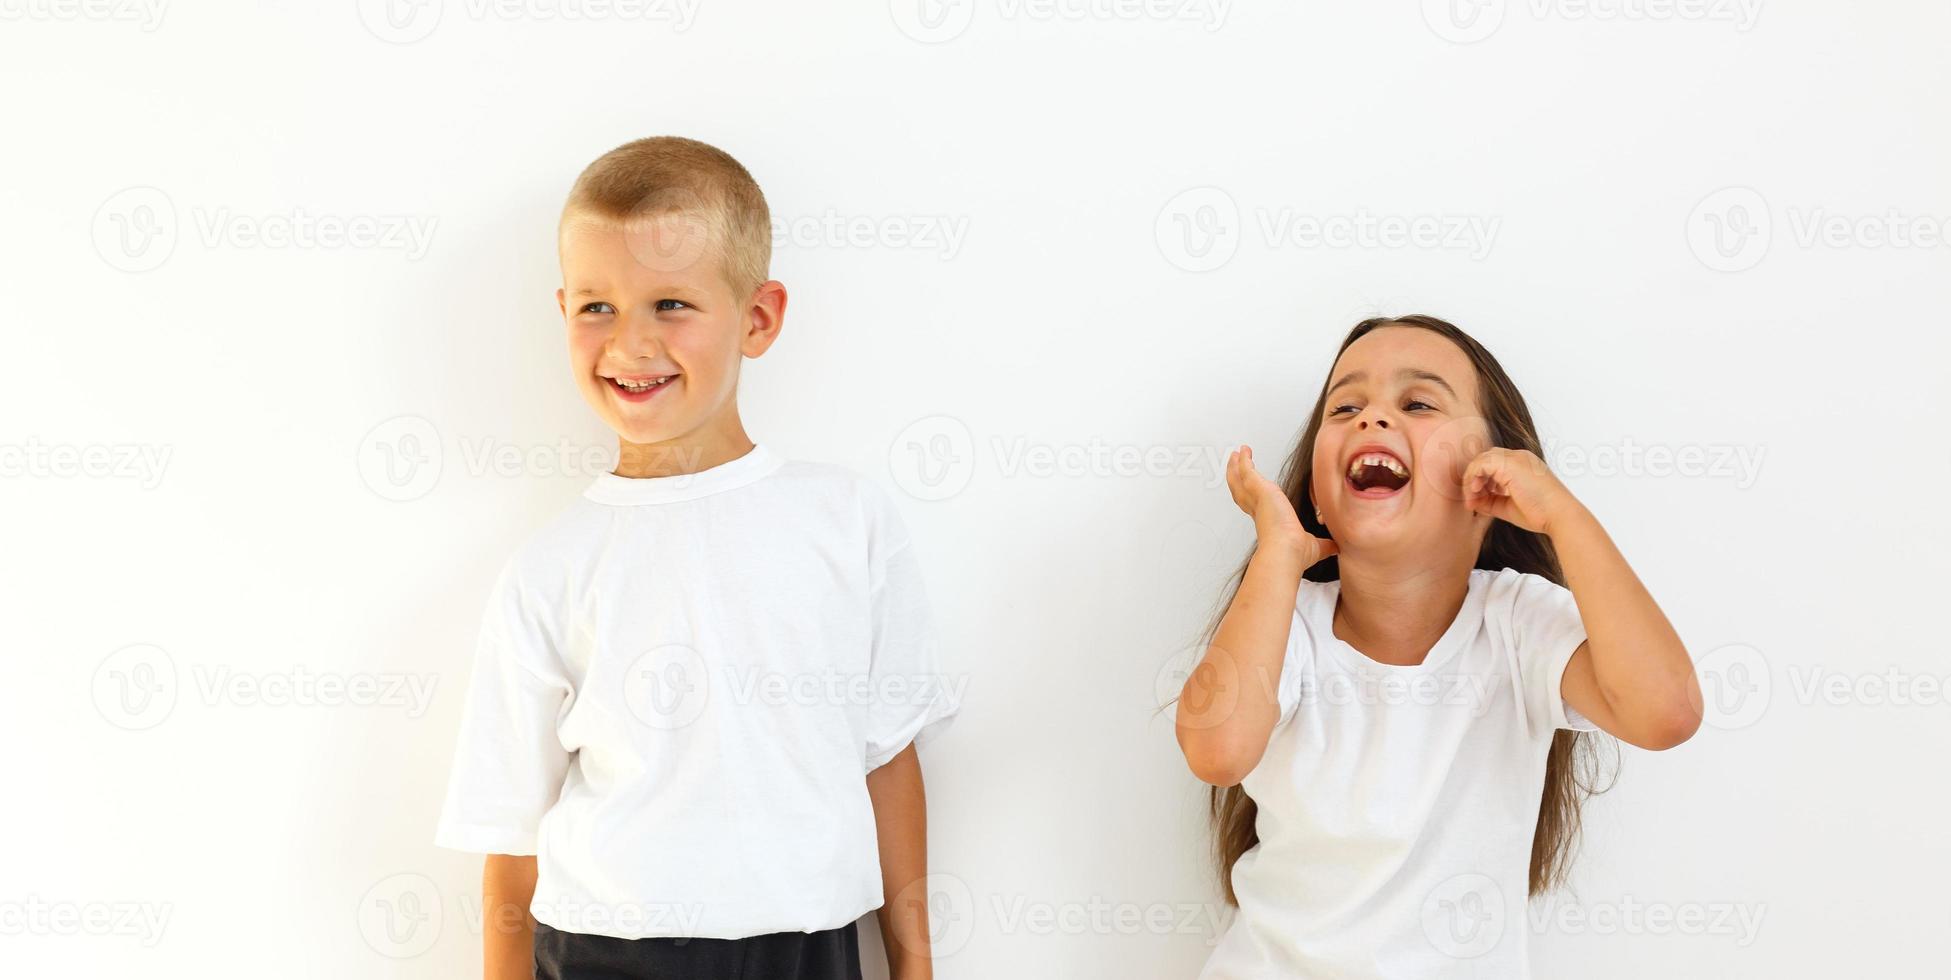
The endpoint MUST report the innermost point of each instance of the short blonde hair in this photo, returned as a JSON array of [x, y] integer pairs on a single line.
[[665, 175]]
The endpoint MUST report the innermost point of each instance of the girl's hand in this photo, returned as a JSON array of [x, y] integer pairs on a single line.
[[1514, 485], [1274, 520]]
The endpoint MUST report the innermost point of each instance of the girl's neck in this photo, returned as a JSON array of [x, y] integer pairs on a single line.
[[1394, 612]]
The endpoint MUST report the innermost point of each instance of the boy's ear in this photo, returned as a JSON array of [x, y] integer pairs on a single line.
[[561, 303], [764, 316]]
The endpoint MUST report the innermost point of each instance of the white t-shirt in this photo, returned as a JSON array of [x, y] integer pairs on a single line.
[[679, 688], [1397, 804]]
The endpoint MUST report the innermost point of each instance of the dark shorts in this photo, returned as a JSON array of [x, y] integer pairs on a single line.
[[833, 954]]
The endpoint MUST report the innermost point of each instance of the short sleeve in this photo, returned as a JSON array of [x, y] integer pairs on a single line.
[[509, 762], [913, 699], [1544, 628], [1296, 666]]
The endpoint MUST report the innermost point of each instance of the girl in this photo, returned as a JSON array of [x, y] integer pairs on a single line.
[[1391, 709]]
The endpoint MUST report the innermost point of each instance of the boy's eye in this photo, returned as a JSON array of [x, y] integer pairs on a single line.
[[592, 307], [671, 305]]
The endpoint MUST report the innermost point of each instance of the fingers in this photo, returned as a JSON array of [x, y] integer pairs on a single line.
[[1236, 481]]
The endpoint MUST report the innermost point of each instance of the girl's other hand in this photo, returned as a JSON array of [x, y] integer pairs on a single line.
[[1514, 485], [1274, 522]]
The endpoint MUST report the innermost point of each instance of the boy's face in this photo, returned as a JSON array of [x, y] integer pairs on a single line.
[[1407, 398], [656, 332]]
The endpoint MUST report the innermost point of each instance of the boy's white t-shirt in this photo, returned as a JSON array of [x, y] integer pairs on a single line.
[[679, 687], [1397, 803]]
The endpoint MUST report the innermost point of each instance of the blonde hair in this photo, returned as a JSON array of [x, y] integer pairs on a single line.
[[670, 175]]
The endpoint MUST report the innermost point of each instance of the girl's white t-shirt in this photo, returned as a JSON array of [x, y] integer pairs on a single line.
[[1397, 803], [679, 687]]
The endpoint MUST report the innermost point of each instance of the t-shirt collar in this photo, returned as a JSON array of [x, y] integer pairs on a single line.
[[756, 464]]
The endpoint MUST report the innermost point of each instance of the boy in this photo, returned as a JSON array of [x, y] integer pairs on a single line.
[[688, 748]]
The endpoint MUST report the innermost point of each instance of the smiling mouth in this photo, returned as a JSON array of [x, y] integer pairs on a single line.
[[639, 389], [1376, 475]]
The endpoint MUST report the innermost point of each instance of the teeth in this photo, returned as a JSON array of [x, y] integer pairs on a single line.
[[642, 385], [1377, 459]]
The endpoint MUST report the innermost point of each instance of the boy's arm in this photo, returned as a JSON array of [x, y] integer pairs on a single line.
[[901, 824], [508, 931]]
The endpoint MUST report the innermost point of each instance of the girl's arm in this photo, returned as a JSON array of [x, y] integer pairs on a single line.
[[1230, 702], [901, 824], [508, 931], [1632, 676]]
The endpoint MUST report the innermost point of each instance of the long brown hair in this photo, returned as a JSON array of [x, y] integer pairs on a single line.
[[1572, 766]]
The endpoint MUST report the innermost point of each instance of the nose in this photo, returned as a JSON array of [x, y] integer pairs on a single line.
[[1379, 423], [634, 338]]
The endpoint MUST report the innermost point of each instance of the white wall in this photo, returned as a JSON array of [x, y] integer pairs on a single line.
[[1070, 313]]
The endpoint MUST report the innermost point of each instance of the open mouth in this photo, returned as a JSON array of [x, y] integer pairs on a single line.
[[640, 388], [1376, 473]]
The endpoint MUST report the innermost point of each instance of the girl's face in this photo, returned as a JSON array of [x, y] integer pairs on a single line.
[[1398, 425]]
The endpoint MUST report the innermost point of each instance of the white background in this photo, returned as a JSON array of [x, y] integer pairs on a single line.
[[1089, 306]]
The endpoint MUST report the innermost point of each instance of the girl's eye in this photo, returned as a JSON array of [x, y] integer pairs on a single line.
[[592, 307], [671, 305], [1340, 409], [1414, 405]]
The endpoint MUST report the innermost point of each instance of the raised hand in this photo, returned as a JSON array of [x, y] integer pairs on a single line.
[[1274, 522], [1514, 485]]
